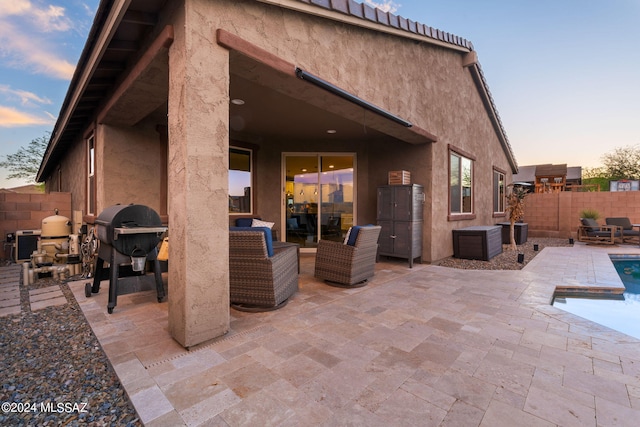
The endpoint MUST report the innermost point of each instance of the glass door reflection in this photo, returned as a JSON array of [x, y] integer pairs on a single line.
[[336, 190], [319, 197], [302, 200]]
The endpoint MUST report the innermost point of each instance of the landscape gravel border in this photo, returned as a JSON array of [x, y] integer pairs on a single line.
[[54, 371]]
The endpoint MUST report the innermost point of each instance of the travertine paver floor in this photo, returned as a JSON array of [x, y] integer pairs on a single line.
[[423, 346]]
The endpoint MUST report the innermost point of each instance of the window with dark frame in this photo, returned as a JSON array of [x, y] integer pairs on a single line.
[[91, 176], [240, 180], [498, 192], [460, 184]]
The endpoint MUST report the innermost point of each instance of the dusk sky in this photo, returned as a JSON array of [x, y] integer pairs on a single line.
[[563, 73]]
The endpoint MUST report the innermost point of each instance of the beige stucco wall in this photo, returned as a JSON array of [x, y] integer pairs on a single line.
[[72, 176], [430, 88], [130, 166]]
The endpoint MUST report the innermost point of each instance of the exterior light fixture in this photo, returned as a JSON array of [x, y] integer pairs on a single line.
[[237, 101]]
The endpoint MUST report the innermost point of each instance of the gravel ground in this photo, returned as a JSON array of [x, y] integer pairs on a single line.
[[508, 259], [52, 359]]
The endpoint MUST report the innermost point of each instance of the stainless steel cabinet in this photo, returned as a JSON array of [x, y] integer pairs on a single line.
[[399, 213]]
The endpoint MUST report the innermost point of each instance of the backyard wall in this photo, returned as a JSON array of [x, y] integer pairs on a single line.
[[558, 214], [26, 212]]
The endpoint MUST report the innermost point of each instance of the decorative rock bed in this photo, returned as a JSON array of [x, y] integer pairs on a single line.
[[51, 360], [508, 259]]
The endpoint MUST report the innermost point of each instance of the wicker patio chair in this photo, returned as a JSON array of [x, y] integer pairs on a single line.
[[261, 278], [590, 232], [350, 264], [624, 225]]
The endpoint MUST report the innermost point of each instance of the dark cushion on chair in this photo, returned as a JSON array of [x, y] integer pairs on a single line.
[[353, 234], [267, 236], [591, 224], [623, 222], [292, 224], [244, 222]]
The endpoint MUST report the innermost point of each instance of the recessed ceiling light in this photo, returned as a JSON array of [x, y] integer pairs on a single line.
[[332, 131], [331, 166], [304, 169], [237, 101]]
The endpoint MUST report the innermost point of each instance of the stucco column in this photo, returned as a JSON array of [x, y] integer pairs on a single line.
[[197, 183]]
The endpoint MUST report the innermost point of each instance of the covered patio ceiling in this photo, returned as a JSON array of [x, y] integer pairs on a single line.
[[283, 106], [267, 104]]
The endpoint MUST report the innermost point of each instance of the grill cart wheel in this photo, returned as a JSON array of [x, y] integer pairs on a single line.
[[87, 290]]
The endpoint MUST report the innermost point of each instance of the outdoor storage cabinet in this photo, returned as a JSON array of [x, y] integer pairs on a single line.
[[479, 242], [520, 232], [399, 214]]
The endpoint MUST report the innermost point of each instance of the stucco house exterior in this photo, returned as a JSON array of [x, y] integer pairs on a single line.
[[208, 110]]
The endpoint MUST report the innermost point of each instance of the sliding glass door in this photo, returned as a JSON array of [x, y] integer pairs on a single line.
[[319, 197]]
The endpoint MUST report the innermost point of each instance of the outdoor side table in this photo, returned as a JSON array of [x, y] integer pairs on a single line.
[[477, 242]]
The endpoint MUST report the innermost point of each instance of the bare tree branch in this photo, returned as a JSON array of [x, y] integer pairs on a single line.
[[24, 164]]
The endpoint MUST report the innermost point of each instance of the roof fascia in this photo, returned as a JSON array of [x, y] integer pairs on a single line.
[[80, 81], [471, 62], [312, 9]]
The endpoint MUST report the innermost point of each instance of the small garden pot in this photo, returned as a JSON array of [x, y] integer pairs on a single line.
[[520, 258], [536, 247], [571, 240]]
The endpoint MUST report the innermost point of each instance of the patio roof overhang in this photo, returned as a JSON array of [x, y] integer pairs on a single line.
[[117, 69], [278, 102]]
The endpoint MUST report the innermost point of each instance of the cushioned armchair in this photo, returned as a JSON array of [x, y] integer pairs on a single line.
[[348, 264], [260, 277], [625, 227], [257, 222], [589, 231]]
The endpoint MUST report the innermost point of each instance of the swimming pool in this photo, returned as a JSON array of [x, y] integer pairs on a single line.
[[621, 314]]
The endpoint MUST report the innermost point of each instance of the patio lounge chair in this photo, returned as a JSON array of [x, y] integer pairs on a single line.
[[624, 225], [261, 277], [590, 232], [348, 264]]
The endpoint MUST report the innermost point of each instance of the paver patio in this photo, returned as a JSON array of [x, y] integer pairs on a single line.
[[422, 346]]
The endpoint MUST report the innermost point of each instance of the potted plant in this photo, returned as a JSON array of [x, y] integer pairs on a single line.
[[515, 210], [589, 213]]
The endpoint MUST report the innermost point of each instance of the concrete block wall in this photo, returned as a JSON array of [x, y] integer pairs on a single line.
[[26, 212], [558, 214]]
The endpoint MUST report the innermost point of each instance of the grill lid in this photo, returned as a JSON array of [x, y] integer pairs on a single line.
[[130, 228]]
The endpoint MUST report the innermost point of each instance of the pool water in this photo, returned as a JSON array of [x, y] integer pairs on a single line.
[[620, 314], [629, 271]]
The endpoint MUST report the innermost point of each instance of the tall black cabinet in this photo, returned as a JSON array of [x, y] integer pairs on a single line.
[[400, 210]]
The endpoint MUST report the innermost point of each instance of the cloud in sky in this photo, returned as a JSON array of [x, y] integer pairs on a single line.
[[25, 32], [11, 117], [385, 5], [25, 97]]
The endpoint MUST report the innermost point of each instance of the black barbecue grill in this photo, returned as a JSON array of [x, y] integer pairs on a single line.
[[128, 234]]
